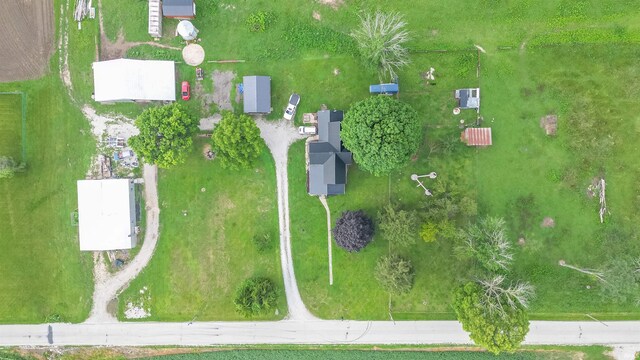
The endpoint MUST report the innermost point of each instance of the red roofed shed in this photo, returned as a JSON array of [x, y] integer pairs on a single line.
[[476, 136]]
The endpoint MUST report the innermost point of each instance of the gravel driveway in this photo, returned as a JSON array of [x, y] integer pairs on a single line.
[[279, 136], [108, 286]]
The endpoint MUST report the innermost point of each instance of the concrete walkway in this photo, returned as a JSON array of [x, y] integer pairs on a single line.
[[279, 135], [323, 200], [108, 286]]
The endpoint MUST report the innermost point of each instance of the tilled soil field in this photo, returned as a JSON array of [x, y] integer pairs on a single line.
[[26, 43]]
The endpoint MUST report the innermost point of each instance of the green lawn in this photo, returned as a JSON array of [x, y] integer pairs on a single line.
[[44, 275], [517, 89], [573, 59], [201, 257], [11, 126]]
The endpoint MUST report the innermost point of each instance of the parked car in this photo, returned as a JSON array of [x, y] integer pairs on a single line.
[[290, 112], [307, 130], [186, 91]]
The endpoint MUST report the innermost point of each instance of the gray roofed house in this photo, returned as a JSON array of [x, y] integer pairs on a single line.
[[328, 159], [468, 98], [257, 94], [179, 9]]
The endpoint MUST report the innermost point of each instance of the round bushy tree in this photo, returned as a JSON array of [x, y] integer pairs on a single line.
[[255, 296], [399, 227], [353, 231], [382, 133], [236, 141], [165, 135], [495, 331], [395, 274]]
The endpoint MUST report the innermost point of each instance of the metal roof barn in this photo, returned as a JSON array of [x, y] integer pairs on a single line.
[[106, 214], [134, 80], [476, 136], [257, 94]]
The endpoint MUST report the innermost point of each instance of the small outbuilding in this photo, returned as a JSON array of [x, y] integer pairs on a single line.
[[476, 136], [328, 159], [179, 9], [468, 98], [186, 30], [106, 214], [257, 94], [134, 80]]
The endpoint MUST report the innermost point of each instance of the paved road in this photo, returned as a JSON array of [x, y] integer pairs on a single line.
[[305, 332]]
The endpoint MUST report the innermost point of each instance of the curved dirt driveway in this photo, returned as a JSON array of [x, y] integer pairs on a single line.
[[108, 286], [279, 136]]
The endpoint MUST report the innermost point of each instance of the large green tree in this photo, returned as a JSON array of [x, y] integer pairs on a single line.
[[495, 331], [395, 274], [399, 227], [165, 135], [382, 133], [236, 141]]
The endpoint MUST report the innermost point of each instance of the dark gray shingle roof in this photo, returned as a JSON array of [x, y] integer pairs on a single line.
[[257, 94], [328, 159]]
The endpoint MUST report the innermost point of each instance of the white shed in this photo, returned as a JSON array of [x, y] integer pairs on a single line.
[[134, 80], [106, 214]]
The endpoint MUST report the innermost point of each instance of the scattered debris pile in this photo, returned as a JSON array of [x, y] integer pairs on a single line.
[[83, 9], [548, 222], [598, 186], [550, 124], [139, 310]]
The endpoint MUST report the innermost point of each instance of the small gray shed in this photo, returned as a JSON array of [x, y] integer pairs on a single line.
[[179, 9], [257, 94], [468, 98]]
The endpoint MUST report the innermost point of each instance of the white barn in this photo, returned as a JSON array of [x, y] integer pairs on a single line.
[[134, 80], [106, 214]]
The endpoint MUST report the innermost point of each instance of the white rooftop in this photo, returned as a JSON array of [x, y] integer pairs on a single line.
[[106, 214], [134, 80]]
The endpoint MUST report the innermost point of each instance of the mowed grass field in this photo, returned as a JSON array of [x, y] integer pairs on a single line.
[[201, 257], [44, 275], [11, 126], [571, 59], [524, 177]]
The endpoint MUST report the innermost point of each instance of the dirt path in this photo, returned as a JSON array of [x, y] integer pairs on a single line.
[[108, 286], [115, 50], [323, 200], [279, 136]]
